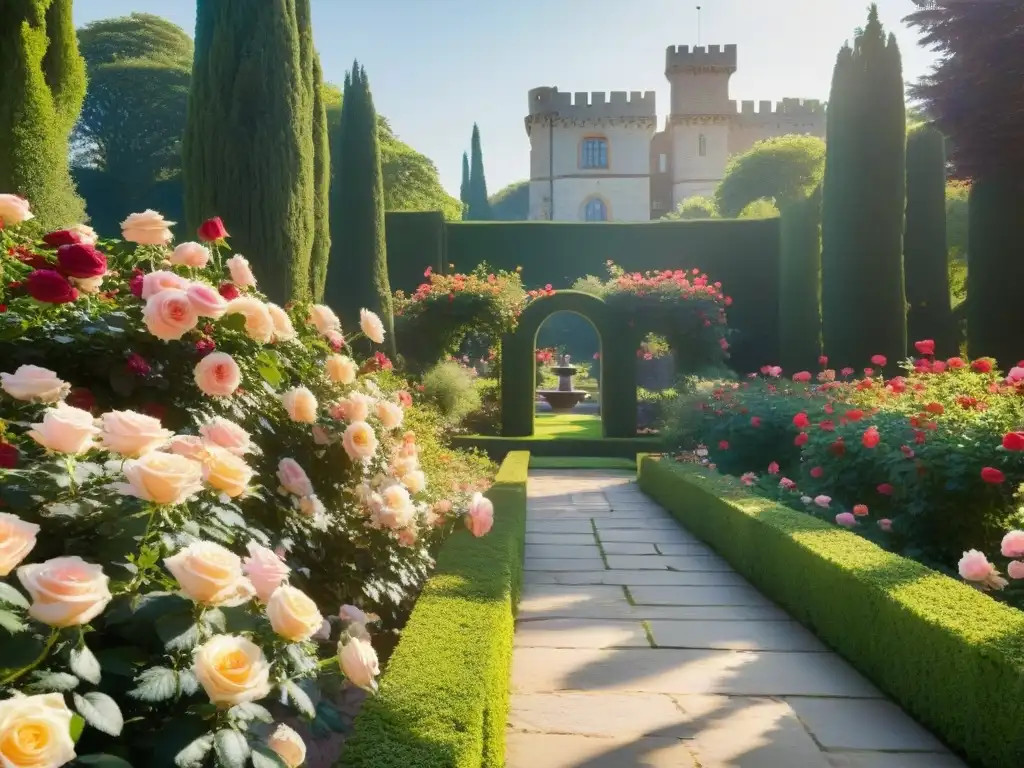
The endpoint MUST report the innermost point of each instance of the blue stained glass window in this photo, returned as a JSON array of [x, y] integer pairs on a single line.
[[594, 153], [595, 210]]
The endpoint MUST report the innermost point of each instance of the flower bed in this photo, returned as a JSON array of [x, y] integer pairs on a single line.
[[159, 421], [953, 658], [443, 701]]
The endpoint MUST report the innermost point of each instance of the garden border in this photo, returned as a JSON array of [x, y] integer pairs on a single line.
[[443, 699], [951, 656]]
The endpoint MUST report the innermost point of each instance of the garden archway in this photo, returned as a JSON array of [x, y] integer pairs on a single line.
[[618, 364]]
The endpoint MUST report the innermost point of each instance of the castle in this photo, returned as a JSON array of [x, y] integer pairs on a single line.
[[598, 158]]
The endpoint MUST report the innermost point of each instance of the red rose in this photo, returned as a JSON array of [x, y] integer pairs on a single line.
[[382, 361], [870, 438], [81, 261], [34, 260], [886, 489], [50, 286], [138, 365], [801, 421], [62, 237], [135, 284], [80, 397], [801, 439], [926, 347], [992, 475], [1013, 441], [879, 360], [212, 229], [982, 365], [855, 414], [8, 456], [229, 291]]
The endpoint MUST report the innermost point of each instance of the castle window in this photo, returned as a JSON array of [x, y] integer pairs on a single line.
[[702, 145], [595, 210], [594, 153], [662, 163]]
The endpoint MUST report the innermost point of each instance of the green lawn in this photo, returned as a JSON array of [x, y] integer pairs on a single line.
[[581, 462], [554, 426]]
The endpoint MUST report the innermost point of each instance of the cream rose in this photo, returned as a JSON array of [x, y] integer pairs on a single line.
[[359, 441], [300, 404], [65, 430], [358, 661], [323, 319], [390, 414], [169, 314], [226, 434], [288, 745], [397, 510], [266, 571], [415, 481], [218, 375], [371, 325], [34, 384], [341, 369], [162, 280], [210, 574], [232, 670], [88, 285], [294, 478], [14, 210], [131, 434], [191, 255], [403, 465], [357, 406], [259, 325], [147, 228], [283, 328], [226, 472], [65, 591], [89, 236], [241, 272], [311, 506], [206, 301], [293, 614], [17, 538], [187, 445], [35, 731], [163, 478]]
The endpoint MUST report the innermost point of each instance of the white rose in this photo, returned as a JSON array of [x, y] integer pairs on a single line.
[[288, 745], [397, 510], [415, 481], [89, 236], [232, 670], [293, 615], [241, 272], [358, 661], [323, 319], [65, 430], [13, 211], [147, 228], [32, 383], [132, 434], [163, 478], [65, 591], [35, 731], [210, 574], [390, 414], [371, 325], [265, 570]]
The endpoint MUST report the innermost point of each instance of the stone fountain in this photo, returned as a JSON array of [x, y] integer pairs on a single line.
[[565, 398]]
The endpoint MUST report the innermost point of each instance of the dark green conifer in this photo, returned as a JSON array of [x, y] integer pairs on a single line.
[[478, 207], [464, 187]]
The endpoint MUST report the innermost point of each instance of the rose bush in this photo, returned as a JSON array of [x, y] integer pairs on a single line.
[[192, 480]]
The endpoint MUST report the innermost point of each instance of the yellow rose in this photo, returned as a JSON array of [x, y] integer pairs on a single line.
[[210, 574], [163, 478], [17, 538], [292, 614], [288, 745], [259, 323], [65, 430], [225, 471], [232, 670], [131, 434], [35, 732], [341, 369], [300, 404], [65, 591]]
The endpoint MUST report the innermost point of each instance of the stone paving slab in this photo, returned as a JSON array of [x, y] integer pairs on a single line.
[[564, 539], [698, 596], [849, 724], [660, 522], [599, 714], [560, 564], [735, 636], [639, 578], [665, 562], [892, 760], [559, 526], [628, 548], [572, 551], [670, 548], [581, 633], [645, 536], [543, 750]]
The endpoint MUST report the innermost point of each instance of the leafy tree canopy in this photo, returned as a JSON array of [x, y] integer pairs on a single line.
[[779, 169], [511, 203], [696, 207], [762, 208]]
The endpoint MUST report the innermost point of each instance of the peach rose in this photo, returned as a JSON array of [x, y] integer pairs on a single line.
[[311, 506], [407, 537], [259, 325], [403, 465], [415, 481], [226, 434], [162, 280], [191, 255], [88, 234], [169, 315], [323, 319], [34, 384], [359, 441], [293, 478], [396, 510], [88, 285], [357, 406], [35, 731], [13, 210], [241, 272], [65, 430], [341, 369], [65, 591], [300, 404], [288, 745], [187, 445], [162, 478], [293, 615], [218, 375], [17, 538], [283, 328], [480, 516], [131, 434], [358, 661], [371, 325], [266, 571], [210, 574], [226, 472], [206, 301], [232, 670], [147, 228], [390, 414]]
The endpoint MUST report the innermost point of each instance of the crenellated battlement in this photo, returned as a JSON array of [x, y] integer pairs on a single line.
[[598, 104], [680, 58], [795, 107]]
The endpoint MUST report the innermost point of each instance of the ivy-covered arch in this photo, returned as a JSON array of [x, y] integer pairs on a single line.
[[618, 364]]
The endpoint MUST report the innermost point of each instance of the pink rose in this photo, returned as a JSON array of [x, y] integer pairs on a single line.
[[206, 300], [191, 255], [823, 501], [846, 519], [358, 661], [359, 441], [132, 434], [218, 375], [161, 280], [226, 434], [259, 323], [65, 430], [480, 516], [1015, 569], [294, 478], [241, 272], [265, 570], [300, 404], [283, 328], [189, 446], [976, 568], [65, 591], [1013, 544], [169, 314], [13, 210], [17, 538], [885, 524]]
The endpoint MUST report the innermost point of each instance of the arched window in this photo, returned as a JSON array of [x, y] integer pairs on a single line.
[[595, 210], [594, 153], [702, 145]]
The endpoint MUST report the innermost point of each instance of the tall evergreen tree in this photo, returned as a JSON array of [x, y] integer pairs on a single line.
[[357, 274], [42, 85], [464, 187], [863, 296], [248, 145], [800, 269], [321, 188], [479, 209]]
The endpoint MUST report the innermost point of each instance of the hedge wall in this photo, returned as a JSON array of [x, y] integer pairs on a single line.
[[415, 241], [951, 656], [443, 700], [800, 300]]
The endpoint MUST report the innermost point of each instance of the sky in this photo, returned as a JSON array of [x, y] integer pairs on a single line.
[[438, 66]]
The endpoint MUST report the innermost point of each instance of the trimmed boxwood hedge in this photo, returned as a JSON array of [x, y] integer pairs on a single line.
[[951, 656], [443, 699]]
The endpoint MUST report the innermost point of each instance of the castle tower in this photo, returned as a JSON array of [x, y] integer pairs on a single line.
[[590, 155], [700, 117]]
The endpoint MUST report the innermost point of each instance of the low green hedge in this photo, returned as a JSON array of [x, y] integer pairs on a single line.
[[951, 656], [443, 699], [615, 447]]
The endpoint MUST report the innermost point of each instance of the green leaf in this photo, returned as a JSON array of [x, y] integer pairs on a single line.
[[179, 631], [85, 665], [231, 747], [195, 752], [121, 661], [11, 622], [77, 726], [331, 717], [299, 698], [100, 711], [188, 682], [103, 761], [155, 684], [264, 757], [60, 682], [250, 711], [11, 596]]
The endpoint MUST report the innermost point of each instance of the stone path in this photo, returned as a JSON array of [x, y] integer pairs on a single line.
[[637, 646]]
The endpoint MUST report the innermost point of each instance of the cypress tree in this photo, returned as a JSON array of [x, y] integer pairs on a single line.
[[357, 274], [479, 209], [42, 86], [248, 144], [321, 188], [464, 187], [863, 297], [800, 282], [929, 314]]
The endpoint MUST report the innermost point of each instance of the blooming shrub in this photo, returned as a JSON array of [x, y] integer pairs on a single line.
[[192, 480]]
